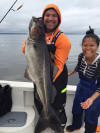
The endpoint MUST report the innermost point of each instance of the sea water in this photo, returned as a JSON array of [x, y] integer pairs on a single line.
[[13, 63]]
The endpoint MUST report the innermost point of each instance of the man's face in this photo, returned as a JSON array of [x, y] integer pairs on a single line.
[[50, 20]]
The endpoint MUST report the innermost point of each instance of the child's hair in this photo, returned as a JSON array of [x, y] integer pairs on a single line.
[[90, 33]]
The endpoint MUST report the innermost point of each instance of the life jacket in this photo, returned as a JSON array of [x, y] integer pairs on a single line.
[[61, 82], [52, 47]]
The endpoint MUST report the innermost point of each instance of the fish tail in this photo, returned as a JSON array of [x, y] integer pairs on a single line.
[[50, 122]]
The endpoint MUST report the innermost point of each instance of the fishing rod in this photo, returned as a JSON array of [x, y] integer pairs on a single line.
[[10, 10]]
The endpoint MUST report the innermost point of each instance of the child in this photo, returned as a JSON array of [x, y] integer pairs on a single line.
[[87, 97]]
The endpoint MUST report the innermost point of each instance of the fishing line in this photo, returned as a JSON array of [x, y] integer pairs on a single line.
[[11, 8]]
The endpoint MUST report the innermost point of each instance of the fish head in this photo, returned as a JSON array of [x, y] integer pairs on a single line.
[[35, 46], [36, 29]]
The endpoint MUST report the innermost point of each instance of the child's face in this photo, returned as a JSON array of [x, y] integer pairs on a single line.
[[89, 48]]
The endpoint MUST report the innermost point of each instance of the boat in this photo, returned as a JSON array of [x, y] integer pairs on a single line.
[[23, 115]]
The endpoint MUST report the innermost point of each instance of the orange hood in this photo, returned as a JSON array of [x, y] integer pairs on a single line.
[[53, 6]]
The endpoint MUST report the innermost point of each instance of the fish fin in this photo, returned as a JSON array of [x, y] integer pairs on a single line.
[[41, 125], [50, 122], [26, 75]]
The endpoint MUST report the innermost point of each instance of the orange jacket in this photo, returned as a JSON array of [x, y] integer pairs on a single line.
[[62, 43]]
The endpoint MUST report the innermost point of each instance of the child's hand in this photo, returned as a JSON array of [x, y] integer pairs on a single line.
[[71, 73], [87, 103]]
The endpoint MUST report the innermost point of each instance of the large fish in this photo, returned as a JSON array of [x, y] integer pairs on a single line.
[[39, 71]]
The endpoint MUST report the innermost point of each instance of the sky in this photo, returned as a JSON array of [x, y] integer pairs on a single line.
[[77, 15]]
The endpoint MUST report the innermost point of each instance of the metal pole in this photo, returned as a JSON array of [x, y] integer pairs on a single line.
[[8, 11]]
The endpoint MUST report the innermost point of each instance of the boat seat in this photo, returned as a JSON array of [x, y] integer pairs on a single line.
[[13, 119], [22, 118]]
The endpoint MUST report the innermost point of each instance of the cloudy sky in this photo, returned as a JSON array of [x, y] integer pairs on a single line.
[[77, 15]]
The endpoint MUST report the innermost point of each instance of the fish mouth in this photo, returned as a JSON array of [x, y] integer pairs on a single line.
[[36, 28]]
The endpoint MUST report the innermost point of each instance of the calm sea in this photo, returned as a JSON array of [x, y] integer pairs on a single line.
[[13, 63]]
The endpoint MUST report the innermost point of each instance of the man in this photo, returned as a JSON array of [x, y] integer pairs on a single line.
[[59, 45]]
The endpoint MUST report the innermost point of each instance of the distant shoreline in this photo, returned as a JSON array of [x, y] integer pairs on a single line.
[[13, 33], [24, 33]]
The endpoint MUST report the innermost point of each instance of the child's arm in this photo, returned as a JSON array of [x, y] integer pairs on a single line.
[[77, 66], [71, 73]]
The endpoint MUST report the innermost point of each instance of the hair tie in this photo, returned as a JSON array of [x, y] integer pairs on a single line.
[[90, 31]]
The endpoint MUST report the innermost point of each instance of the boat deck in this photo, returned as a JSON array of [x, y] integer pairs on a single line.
[[23, 100]]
